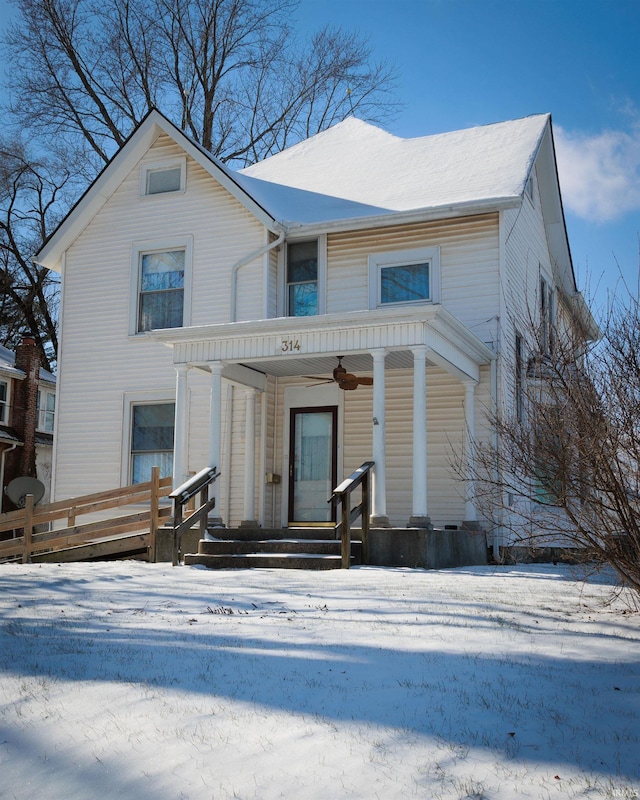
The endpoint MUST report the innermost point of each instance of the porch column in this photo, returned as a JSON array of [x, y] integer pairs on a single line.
[[215, 439], [379, 518], [470, 513], [181, 427], [419, 518], [249, 519]]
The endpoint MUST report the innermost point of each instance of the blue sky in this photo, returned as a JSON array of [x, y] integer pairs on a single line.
[[472, 62]]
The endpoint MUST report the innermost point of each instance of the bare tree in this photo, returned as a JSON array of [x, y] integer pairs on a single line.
[[232, 73], [564, 467], [30, 191]]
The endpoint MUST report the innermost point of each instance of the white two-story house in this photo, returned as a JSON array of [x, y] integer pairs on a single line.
[[204, 311]]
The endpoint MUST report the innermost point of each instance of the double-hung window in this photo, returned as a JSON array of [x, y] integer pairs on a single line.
[[302, 279], [152, 426], [160, 285], [161, 300], [46, 410], [407, 276], [4, 402]]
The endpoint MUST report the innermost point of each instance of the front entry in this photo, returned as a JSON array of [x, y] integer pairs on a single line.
[[313, 464]]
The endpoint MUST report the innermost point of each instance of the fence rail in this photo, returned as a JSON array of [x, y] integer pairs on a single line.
[[35, 542]]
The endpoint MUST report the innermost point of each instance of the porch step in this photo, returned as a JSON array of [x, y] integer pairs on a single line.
[[278, 553]]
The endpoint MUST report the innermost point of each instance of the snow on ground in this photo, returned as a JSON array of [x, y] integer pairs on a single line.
[[132, 680]]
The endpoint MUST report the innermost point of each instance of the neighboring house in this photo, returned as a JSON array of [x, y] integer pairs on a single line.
[[204, 310], [27, 412]]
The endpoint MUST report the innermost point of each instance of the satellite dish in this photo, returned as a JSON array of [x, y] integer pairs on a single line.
[[18, 489]]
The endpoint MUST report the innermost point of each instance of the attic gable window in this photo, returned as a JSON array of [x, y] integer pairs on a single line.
[[406, 276], [163, 177]]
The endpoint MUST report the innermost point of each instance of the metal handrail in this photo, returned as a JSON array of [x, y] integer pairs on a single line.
[[341, 497], [181, 496]]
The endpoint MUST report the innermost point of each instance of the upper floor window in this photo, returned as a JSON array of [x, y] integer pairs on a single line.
[[160, 284], [46, 410], [519, 378], [4, 402], [302, 279], [161, 177], [407, 276], [161, 290], [547, 317]]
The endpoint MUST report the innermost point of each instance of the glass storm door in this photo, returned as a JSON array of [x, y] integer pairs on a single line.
[[312, 464]]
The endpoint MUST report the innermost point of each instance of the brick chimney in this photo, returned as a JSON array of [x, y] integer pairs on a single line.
[[24, 417]]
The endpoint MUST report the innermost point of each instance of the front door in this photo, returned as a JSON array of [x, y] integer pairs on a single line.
[[312, 464]]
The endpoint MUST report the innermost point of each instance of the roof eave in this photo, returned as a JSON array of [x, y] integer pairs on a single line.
[[447, 211]]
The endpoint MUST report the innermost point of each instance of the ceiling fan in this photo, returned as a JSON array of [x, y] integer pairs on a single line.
[[345, 380]]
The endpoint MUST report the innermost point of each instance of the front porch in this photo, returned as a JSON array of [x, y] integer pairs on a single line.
[[280, 365]]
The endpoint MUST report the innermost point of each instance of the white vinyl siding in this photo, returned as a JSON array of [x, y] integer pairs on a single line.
[[100, 361], [469, 266]]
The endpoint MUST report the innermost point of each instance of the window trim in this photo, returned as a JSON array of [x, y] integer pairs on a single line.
[[43, 413], [398, 258], [283, 295], [131, 399], [161, 165], [138, 249], [5, 404]]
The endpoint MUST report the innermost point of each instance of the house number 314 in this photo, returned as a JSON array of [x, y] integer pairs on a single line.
[[290, 345]]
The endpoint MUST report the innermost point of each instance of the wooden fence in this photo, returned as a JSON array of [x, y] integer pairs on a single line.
[[34, 534]]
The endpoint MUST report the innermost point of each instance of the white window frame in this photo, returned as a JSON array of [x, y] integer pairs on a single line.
[[131, 399], [138, 249], [547, 311], [400, 258], [162, 165], [6, 403], [283, 299], [44, 412]]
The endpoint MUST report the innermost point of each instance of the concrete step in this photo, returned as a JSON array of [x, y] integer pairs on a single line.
[[290, 546], [277, 553], [256, 534], [265, 561]]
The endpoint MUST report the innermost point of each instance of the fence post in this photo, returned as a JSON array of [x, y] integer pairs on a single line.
[[28, 529], [154, 511], [365, 517], [346, 531]]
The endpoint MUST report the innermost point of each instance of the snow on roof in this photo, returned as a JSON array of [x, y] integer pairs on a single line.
[[355, 169], [8, 366]]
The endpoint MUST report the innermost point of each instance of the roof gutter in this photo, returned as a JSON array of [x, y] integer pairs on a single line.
[[471, 208]]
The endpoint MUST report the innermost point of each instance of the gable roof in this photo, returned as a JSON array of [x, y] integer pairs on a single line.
[[112, 175], [353, 175], [357, 170]]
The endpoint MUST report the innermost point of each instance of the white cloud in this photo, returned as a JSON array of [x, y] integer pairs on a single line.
[[599, 174]]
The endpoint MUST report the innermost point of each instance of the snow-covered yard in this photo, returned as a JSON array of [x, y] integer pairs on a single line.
[[131, 680]]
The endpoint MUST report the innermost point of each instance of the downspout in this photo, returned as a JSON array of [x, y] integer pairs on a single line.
[[2, 458], [245, 260]]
